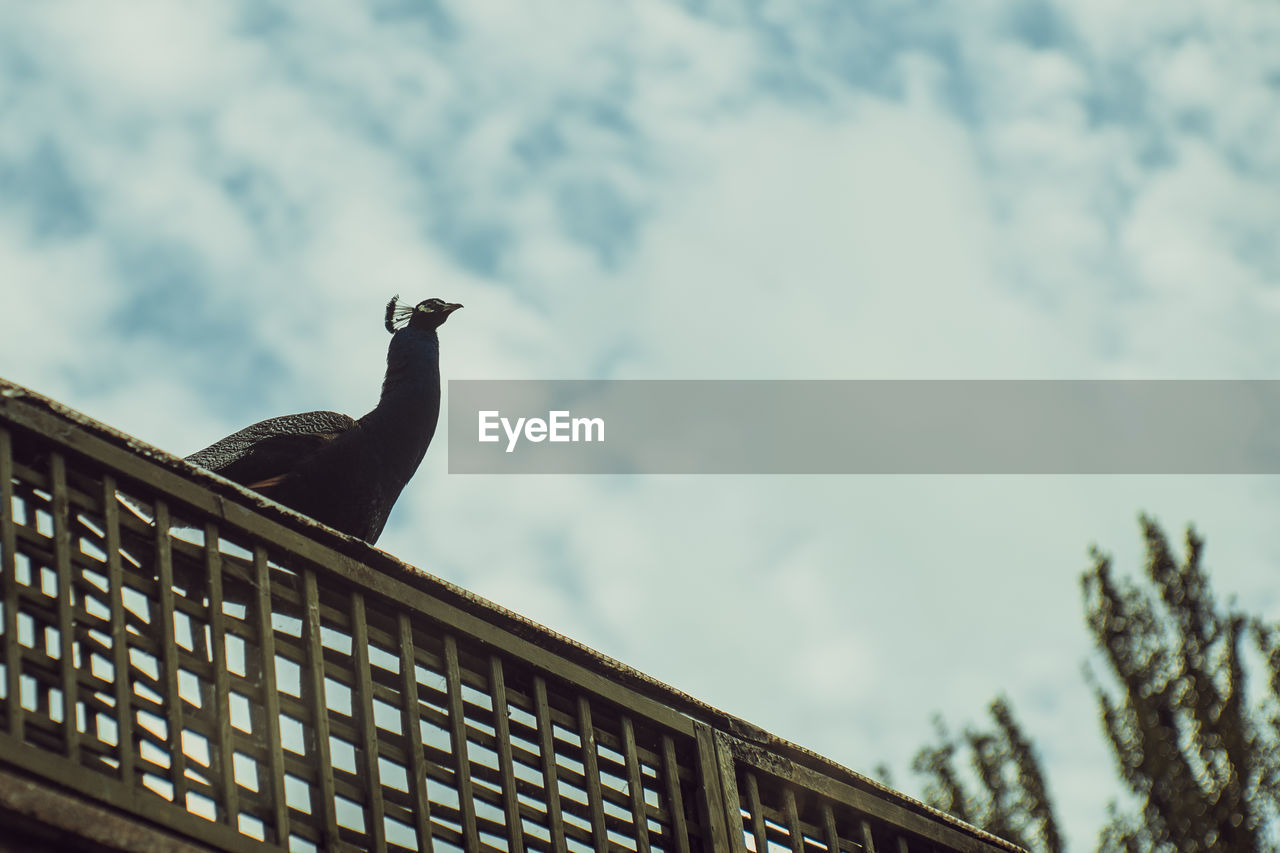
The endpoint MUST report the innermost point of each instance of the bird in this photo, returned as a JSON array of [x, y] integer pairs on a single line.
[[343, 472]]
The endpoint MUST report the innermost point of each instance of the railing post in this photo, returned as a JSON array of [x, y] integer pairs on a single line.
[[719, 791], [277, 823], [9, 585]]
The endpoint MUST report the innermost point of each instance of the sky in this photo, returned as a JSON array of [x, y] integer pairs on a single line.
[[204, 207]]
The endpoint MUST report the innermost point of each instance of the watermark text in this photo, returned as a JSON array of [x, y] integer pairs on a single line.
[[558, 426]]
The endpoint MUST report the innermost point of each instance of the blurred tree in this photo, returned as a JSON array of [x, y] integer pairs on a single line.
[[1202, 763], [1012, 801]]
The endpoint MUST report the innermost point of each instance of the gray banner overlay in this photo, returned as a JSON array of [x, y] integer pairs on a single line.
[[864, 427]]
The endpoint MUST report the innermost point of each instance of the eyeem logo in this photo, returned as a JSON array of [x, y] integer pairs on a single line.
[[558, 426]]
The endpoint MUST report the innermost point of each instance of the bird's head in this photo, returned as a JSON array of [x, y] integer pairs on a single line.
[[426, 315]]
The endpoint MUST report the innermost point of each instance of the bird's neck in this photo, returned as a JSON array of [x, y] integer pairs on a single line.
[[413, 367], [406, 414]]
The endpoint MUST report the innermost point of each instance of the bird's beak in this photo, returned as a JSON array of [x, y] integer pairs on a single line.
[[450, 307]]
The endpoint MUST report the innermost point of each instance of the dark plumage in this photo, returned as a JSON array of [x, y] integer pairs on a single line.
[[343, 472]]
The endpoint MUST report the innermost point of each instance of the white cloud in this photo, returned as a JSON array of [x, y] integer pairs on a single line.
[[149, 57], [820, 246], [45, 314]]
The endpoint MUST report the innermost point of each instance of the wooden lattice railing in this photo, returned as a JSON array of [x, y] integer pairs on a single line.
[[183, 653]]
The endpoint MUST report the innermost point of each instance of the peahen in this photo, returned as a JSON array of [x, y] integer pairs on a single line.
[[343, 472]]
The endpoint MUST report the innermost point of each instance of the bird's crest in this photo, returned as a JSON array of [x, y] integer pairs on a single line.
[[398, 314]]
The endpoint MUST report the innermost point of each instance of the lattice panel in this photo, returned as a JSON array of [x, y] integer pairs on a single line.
[[253, 689], [785, 808], [776, 819]]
